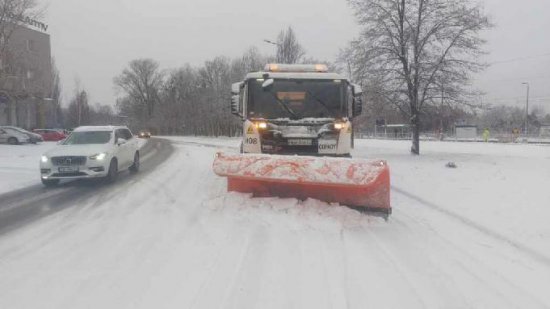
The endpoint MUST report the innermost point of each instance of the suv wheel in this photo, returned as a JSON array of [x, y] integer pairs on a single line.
[[113, 171], [135, 167], [50, 182], [13, 141]]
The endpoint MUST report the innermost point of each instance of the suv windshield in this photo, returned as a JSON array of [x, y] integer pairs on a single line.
[[89, 137], [296, 99]]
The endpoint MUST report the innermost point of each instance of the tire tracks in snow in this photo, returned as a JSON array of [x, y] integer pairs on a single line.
[[476, 226], [27, 205], [461, 264]]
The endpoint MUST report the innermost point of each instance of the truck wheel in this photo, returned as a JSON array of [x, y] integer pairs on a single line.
[[50, 182], [13, 141], [135, 167], [113, 171]]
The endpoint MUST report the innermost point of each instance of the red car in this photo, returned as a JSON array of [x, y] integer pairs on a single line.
[[50, 135]]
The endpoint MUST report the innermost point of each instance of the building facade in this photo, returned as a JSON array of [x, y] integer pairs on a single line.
[[26, 79]]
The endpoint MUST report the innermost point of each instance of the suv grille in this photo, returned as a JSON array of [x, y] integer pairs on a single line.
[[68, 161]]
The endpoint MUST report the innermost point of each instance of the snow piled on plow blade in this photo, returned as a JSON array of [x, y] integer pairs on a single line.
[[362, 184]]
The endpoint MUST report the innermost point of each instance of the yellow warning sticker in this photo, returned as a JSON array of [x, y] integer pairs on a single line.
[[250, 130]]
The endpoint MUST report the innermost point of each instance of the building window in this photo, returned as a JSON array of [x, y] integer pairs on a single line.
[[31, 45], [30, 74]]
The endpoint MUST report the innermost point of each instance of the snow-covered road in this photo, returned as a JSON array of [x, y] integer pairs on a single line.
[[176, 239]]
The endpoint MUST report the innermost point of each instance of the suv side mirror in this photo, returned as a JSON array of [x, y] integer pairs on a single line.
[[121, 141], [236, 98]]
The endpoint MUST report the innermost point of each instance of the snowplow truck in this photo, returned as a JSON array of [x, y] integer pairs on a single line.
[[297, 140]]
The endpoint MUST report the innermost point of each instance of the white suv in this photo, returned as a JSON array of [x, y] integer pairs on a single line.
[[91, 152]]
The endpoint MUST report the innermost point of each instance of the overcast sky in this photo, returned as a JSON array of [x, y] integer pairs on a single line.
[[94, 40]]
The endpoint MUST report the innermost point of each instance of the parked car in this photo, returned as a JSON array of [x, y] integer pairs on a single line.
[[12, 137], [144, 134], [33, 137], [51, 135], [91, 152]]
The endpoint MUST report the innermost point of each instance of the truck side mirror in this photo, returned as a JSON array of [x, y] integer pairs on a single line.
[[357, 100], [236, 98], [357, 106]]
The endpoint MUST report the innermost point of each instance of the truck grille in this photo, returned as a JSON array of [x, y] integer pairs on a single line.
[[68, 161]]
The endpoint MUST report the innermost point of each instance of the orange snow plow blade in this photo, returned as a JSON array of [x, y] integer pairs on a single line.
[[357, 183]]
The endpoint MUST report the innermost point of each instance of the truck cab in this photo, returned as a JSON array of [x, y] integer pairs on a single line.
[[296, 109]]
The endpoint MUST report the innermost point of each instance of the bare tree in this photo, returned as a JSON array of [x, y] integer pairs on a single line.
[[250, 61], [101, 114], [141, 82], [12, 14], [422, 52], [289, 49], [178, 109], [78, 111], [57, 114]]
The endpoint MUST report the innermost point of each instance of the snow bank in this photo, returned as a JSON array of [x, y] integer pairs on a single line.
[[503, 187], [19, 165]]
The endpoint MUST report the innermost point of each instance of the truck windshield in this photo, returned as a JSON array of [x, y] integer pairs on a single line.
[[296, 99], [88, 137]]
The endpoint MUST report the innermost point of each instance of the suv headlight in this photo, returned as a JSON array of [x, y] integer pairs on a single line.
[[44, 159], [98, 156]]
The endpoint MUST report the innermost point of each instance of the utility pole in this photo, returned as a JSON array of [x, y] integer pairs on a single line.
[[527, 110], [78, 105]]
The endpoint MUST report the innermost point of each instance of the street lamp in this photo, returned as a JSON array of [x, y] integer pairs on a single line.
[[526, 110], [271, 42]]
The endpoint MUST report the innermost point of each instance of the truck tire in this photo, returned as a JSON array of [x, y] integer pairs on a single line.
[[135, 167]]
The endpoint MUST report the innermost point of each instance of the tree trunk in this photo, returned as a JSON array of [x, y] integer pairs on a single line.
[[415, 126]]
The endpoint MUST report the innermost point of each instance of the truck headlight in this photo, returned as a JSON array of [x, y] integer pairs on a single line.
[[261, 125], [338, 126], [98, 157], [44, 159]]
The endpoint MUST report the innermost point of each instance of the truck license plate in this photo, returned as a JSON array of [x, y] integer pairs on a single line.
[[328, 146], [300, 142], [68, 169]]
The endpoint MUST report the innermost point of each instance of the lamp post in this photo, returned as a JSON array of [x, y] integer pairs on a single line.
[[274, 44], [271, 42], [527, 110]]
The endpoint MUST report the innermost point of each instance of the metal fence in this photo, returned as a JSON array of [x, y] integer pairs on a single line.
[[428, 136]]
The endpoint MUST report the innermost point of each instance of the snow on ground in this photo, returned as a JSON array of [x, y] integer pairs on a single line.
[[176, 239], [502, 187], [19, 165]]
